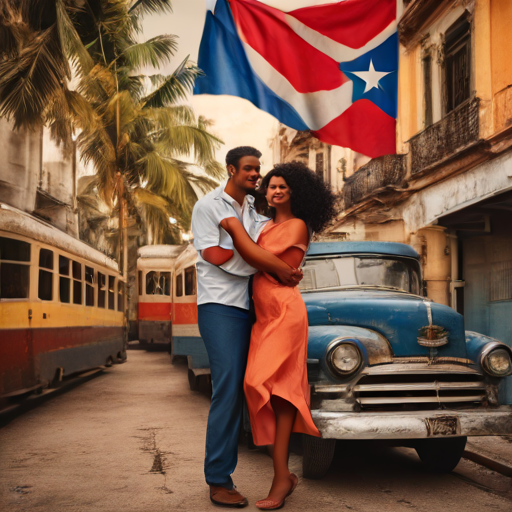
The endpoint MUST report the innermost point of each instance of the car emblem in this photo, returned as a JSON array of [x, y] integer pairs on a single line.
[[432, 336]]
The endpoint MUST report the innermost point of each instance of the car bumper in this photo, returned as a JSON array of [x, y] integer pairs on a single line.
[[413, 425]]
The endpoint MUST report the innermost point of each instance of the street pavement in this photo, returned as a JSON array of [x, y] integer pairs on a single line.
[[132, 439]]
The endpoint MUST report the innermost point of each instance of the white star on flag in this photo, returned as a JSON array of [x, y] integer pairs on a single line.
[[371, 77]]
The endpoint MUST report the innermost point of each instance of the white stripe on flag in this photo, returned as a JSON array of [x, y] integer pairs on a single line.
[[337, 51], [316, 108]]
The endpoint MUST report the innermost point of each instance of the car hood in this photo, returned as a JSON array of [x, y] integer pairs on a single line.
[[397, 316]]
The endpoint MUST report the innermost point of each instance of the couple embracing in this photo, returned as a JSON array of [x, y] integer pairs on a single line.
[[267, 360]]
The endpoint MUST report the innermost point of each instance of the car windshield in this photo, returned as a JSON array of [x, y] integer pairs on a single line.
[[354, 271]]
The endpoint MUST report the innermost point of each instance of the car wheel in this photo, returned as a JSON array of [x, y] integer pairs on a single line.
[[441, 455], [317, 456]]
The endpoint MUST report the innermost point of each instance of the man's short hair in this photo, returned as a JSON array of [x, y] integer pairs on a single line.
[[234, 155]]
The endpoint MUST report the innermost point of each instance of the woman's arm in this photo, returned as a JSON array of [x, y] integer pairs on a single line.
[[257, 257]]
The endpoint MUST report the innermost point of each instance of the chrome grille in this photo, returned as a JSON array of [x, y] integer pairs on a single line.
[[419, 387]]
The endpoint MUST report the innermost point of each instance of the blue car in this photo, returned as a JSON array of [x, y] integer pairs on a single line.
[[385, 362]]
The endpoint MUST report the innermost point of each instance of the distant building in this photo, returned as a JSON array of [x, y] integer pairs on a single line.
[[333, 163], [448, 191], [38, 177]]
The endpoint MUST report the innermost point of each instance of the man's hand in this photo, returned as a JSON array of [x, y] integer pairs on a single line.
[[290, 276]]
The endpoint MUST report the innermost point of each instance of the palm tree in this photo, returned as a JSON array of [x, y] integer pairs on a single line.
[[134, 127]]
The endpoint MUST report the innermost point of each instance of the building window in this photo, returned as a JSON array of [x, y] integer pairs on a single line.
[[101, 290], [427, 88], [64, 280], [77, 282], [457, 53], [190, 281], [111, 292], [179, 284], [89, 286], [14, 269]]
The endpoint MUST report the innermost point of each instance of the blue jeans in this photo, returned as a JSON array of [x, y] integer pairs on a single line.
[[226, 332]]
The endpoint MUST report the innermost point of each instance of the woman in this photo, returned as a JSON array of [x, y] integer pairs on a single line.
[[276, 385]]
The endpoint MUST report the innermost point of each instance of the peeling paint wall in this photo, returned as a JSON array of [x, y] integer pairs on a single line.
[[19, 166]]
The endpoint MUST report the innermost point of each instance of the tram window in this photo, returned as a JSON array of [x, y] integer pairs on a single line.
[[101, 290], [14, 277], [111, 292], [120, 296], [64, 282], [77, 282], [165, 277], [158, 283], [14, 250], [190, 281], [14, 281], [46, 259], [179, 284], [140, 282], [45, 287], [89, 286]]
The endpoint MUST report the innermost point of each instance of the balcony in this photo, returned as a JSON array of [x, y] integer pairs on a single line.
[[377, 174], [447, 138]]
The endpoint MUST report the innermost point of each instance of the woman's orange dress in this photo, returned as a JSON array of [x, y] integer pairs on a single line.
[[277, 361]]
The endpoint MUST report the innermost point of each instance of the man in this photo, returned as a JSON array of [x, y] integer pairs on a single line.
[[223, 311]]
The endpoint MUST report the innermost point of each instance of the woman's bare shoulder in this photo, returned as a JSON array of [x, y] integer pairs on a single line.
[[298, 229]]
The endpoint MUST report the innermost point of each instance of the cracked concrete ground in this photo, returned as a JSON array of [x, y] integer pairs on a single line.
[[132, 440]]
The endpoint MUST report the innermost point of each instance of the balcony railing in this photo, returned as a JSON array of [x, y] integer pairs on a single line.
[[457, 130], [378, 173]]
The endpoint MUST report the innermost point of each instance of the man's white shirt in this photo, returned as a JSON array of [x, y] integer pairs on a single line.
[[228, 283]]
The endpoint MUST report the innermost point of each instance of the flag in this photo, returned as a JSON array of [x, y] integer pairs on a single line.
[[331, 69]]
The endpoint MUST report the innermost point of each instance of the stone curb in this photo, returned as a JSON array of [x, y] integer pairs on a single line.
[[483, 460]]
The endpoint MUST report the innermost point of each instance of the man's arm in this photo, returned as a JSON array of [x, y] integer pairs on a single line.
[[257, 257], [217, 255]]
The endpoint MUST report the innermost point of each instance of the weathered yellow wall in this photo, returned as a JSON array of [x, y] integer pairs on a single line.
[[409, 100], [501, 61]]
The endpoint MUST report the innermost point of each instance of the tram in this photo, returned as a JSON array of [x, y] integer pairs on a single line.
[[168, 305], [155, 269], [61, 305]]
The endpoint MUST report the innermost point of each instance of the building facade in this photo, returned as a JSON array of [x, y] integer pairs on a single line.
[[448, 190], [39, 177], [333, 163]]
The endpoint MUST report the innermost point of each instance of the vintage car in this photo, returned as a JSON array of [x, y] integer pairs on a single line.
[[387, 363]]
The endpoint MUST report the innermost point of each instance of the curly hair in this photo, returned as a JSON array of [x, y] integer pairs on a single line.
[[234, 155], [311, 199]]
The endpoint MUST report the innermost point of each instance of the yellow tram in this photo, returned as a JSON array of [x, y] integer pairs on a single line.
[[61, 305]]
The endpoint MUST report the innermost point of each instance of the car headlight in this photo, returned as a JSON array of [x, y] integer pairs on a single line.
[[345, 359], [497, 362]]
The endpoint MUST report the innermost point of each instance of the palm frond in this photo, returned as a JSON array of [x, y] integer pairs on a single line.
[[188, 139], [71, 42], [151, 6], [153, 52], [13, 29], [30, 79], [175, 87]]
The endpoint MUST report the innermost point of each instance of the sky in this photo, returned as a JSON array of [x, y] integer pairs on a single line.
[[237, 122]]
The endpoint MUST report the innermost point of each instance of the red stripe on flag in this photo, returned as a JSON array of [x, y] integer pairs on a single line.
[[364, 128], [352, 23], [266, 31]]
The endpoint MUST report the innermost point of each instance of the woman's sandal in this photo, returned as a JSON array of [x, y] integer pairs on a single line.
[[267, 504]]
